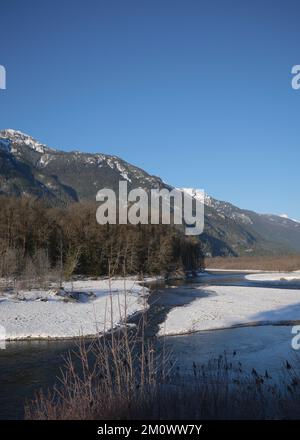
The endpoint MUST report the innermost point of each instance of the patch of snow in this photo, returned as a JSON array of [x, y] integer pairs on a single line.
[[234, 270], [41, 314], [19, 139], [195, 194], [285, 216], [242, 217], [228, 306], [44, 160], [114, 164], [277, 277], [125, 176]]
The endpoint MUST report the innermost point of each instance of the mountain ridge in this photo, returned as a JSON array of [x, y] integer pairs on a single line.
[[31, 168]]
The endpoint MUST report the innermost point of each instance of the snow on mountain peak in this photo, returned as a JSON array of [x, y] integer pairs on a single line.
[[19, 139], [197, 194], [285, 216]]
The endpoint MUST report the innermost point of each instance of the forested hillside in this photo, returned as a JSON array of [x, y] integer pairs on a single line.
[[36, 238]]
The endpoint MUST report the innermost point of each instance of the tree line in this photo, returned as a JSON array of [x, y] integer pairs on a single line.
[[36, 238]]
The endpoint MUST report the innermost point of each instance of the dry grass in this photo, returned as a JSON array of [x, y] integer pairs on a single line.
[[122, 385], [283, 263], [112, 377]]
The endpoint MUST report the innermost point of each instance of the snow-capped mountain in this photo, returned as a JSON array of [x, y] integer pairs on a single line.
[[288, 218], [247, 231], [16, 140], [29, 167]]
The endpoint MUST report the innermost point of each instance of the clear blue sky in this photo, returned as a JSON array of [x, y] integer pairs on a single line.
[[197, 92]]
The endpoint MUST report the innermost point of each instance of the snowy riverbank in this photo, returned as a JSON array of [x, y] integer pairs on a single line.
[[229, 306], [40, 314], [209, 269], [277, 277]]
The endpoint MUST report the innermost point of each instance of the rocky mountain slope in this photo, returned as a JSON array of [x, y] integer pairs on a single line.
[[28, 167], [247, 232]]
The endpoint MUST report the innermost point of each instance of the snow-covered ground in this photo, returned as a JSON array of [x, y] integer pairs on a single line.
[[277, 277], [234, 270], [44, 314], [227, 306]]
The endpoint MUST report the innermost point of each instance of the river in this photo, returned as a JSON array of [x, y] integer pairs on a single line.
[[28, 366]]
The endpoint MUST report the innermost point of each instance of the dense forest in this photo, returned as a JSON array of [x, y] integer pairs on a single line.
[[36, 239]]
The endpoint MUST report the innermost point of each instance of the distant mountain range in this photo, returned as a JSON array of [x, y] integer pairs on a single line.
[[28, 167]]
